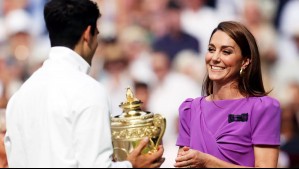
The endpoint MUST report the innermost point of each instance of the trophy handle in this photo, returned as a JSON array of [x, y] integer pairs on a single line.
[[160, 122]]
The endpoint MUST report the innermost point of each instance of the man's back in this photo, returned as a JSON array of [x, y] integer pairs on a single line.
[[58, 117]]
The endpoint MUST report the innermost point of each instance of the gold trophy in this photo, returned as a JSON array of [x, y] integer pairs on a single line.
[[132, 126]]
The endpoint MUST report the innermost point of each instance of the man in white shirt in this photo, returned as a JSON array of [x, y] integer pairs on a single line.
[[60, 116]]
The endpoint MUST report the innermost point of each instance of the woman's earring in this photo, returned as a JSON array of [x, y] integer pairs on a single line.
[[241, 72]]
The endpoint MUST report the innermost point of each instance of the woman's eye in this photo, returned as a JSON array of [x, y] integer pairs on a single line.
[[227, 52], [210, 50]]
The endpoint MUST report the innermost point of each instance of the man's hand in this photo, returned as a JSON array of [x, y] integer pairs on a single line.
[[139, 160]]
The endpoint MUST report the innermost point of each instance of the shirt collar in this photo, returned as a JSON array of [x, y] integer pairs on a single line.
[[70, 56]]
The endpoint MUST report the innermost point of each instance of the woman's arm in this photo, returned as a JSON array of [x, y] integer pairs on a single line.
[[265, 157]]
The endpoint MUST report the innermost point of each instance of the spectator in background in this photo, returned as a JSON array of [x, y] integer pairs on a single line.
[[266, 36], [288, 17], [115, 75], [3, 82], [295, 38], [18, 25], [3, 35], [19, 48], [23, 53], [119, 15], [289, 125], [277, 15], [166, 95], [135, 44], [126, 60], [293, 100], [286, 70], [290, 121], [142, 92], [155, 17], [230, 9], [3, 159], [176, 40], [199, 20], [3, 100], [11, 5], [289, 24], [188, 63], [108, 21], [35, 8], [3, 97], [130, 12]]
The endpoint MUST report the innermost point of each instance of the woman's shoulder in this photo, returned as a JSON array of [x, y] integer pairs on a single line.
[[267, 105], [266, 101], [188, 103]]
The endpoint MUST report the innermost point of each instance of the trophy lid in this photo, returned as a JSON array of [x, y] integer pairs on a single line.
[[132, 106]]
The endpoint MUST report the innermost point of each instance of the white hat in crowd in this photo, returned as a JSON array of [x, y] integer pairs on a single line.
[[18, 21]]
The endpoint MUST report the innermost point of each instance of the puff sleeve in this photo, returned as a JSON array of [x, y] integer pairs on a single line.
[[266, 122], [184, 123]]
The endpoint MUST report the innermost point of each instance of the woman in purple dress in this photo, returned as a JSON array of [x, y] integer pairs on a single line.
[[235, 124]]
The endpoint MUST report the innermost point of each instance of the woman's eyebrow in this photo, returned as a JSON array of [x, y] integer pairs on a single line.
[[227, 46], [224, 46]]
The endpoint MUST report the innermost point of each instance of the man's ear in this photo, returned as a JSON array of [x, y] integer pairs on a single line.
[[87, 35]]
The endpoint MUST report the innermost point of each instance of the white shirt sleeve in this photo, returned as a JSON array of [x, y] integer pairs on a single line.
[[92, 135]]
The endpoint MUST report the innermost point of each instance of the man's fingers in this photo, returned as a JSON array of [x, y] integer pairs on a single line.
[[155, 157], [141, 146], [158, 163], [160, 151]]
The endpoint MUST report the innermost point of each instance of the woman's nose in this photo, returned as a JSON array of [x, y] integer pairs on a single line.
[[216, 56]]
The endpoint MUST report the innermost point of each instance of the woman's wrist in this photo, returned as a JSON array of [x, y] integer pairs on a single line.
[[207, 163]]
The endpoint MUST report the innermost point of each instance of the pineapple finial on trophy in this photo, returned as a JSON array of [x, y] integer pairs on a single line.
[[131, 105], [130, 96]]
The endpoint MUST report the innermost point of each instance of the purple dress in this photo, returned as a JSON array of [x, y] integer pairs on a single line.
[[228, 129]]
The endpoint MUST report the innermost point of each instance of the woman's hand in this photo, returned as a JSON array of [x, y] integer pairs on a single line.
[[188, 158], [265, 157]]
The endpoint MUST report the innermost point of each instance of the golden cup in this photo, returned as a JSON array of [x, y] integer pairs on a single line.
[[132, 126]]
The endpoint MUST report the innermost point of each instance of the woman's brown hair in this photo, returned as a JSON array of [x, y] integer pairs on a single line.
[[250, 83]]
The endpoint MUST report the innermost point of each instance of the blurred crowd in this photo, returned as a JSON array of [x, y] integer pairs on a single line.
[[157, 47]]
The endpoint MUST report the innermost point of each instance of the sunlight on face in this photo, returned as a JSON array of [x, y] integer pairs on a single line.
[[223, 59]]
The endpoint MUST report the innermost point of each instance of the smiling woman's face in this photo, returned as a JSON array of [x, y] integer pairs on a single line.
[[223, 59]]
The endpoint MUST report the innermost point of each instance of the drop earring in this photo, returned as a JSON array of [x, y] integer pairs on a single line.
[[241, 72]]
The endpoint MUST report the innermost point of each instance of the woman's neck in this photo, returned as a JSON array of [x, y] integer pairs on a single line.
[[229, 91]]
